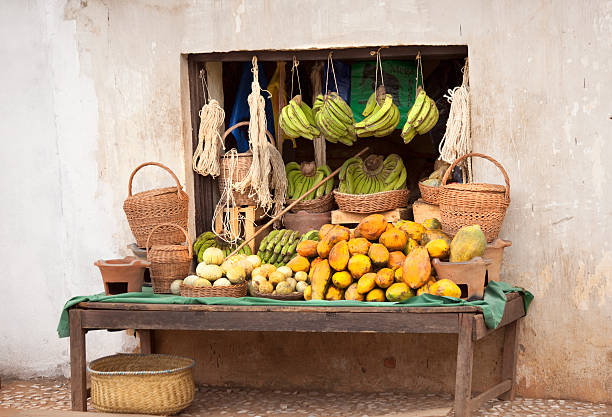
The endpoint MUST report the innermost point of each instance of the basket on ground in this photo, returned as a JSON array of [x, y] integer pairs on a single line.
[[239, 166], [429, 194], [147, 209], [168, 262], [372, 203], [472, 203], [317, 205], [144, 384], [237, 290]]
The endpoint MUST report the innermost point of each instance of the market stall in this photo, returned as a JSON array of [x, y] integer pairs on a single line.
[[292, 238]]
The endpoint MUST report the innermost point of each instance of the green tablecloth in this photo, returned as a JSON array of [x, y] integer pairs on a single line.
[[492, 305]]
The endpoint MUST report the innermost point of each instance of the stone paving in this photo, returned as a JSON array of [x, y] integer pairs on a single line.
[[225, 402]]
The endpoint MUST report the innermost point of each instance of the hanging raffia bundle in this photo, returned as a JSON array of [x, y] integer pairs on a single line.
[[457, 140], [207, 153], [267, 171]]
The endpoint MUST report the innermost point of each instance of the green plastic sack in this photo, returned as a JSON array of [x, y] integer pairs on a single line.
[[399, 79]]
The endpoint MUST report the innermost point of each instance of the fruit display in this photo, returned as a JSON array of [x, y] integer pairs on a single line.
[[297, 120], [421, 118], [381, 261], [280, 246], [372, 174], [302, 177], [270, 280], [334, 118], [381, 115], [435, 178], [210, 240], [216, 270]]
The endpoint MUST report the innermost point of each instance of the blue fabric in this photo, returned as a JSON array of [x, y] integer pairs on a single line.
[[240, 112], [343, 77]]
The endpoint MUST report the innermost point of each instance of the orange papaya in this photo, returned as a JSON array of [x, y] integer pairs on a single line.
[[335, 235], [371, 227], [416, 269], [394, 239], [320, 279], [339, 256]]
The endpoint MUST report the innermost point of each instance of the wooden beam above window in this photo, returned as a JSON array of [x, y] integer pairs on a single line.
[[405, 52]]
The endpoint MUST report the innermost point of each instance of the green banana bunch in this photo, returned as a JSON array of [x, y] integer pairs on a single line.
[[335, 119], [372, 175], [209, 240], [297, 120], [301, 178], [421, 118], [381, 115], [279, 247]]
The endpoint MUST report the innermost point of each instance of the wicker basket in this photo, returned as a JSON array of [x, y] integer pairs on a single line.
[[429, 194], [318, 205], [143, 384], [148, 209], [236, 291], [168, 262], [243, 164], [469, 204], [372, 203]]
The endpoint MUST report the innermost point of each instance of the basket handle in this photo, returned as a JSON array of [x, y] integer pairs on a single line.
[[245, 123], [178, 184], [190, 244], [480, 155]]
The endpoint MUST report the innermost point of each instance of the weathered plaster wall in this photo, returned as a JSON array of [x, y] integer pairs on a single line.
[[105, 95]]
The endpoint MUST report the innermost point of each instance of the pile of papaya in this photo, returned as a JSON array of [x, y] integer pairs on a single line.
[[382, 261]]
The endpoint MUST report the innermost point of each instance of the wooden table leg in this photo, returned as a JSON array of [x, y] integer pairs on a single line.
[[465, 356], [510, 358], [146, 341], [78, 357]]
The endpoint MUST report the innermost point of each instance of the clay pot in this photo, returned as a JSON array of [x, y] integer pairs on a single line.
[[470, 276], [495, 253], [122, 275], [303, 221]]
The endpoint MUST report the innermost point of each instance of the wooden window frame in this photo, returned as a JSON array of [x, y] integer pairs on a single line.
[[205, 189]]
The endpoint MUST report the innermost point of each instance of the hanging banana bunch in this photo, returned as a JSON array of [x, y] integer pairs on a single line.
[[423, 115], [381, 115], [335, 119], [372, 174], [297, 120], [332, 114], [302, 177]]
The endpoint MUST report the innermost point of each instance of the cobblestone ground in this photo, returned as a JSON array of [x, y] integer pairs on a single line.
[[223, 402]]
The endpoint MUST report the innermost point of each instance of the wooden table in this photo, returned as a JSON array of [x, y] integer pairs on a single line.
[[466, 321]]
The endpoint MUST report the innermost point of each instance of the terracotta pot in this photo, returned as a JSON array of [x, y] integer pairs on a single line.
[[303, 221], [495, 253], [470, 276], [122, 275]]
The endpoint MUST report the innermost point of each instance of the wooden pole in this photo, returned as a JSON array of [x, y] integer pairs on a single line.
[[290, 206]]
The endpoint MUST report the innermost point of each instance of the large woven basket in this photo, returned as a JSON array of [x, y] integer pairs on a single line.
[[241, 165], [429, 194], [150, 208], [168, 262], [372, 203], [143, 384], [471, 203], [238, 290], [317, 205]]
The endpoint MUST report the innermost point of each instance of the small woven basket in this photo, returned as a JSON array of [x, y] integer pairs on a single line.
[[143, 384], [429, 194], [241, 169], [238, 290], [317, 205], [372, 203], [150, 208], [471, 203], [168, 262]]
